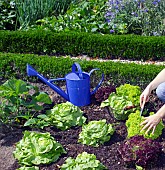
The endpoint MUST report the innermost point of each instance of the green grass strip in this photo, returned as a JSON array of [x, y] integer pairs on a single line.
[[14, 65]]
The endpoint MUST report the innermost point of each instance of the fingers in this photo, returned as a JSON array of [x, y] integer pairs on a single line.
[[153, 129], [144, 122], [143, 99], [148, 126]]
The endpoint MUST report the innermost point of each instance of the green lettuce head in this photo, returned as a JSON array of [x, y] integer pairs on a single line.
[[37, 148], [132, 92], [83, 161], [95, 133], [66, 115], [28, 168], [118, 106], [134, 128]]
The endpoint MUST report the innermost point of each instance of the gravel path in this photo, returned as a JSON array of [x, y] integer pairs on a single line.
[[84, 57]]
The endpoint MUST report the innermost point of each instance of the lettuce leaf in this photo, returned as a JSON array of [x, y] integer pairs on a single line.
[[95, 133], [83, 161], [37, 148], [134, 128]]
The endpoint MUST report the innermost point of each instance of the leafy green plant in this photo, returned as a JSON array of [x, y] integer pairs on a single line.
[[18, 102], [7, 15], [63, 116], [139, 151], [40, 121], [28, 168], [83, 161], [143, 17], [29, 11], [37, 148], [83, 16], [131, 92], [124, 101], [134, 128], [120, 106], [95, 133], [66, 115]]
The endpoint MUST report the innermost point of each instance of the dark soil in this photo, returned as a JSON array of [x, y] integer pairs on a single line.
[[107, 153]]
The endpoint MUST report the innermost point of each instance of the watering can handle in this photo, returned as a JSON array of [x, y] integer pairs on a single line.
[[95, 89], [75, 67]]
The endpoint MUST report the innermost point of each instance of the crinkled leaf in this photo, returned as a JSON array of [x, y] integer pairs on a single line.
[[134, 128], [132, 92], [28, 168], [105, 103], [95, 133], [37, 148], [83, 161], [66, 115]]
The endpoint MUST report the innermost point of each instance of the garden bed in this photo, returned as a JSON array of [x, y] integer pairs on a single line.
[[107, 153]]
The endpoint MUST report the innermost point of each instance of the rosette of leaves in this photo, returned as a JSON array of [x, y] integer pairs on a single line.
[[66, 115], [63, 116], [28, 168], [139, 151], [131, 92], [37, 148], [120, 106], [134, 128], [83, 161], [95, 133], [124, 101], [104, 92]]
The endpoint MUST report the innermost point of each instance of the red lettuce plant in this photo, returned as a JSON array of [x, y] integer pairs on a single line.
[[139, 151], [104, 92]]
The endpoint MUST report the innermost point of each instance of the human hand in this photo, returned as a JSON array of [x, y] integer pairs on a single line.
[[144, 97], [150, 123]]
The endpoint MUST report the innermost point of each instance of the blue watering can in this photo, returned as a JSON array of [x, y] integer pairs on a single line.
[[77, 85]]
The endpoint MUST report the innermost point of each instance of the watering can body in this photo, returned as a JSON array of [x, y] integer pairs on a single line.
[[77, 85]]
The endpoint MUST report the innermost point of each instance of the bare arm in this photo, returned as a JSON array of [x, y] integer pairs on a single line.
[[160, 78], [161, 112], [152, 121]]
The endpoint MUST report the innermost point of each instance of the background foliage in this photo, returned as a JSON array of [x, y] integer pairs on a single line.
[[7, 15], [143, 17]]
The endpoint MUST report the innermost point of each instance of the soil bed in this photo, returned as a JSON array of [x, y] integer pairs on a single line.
[[107, 153]]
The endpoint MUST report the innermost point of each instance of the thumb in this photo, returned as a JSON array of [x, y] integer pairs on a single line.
[[145, 98], [142, 103]]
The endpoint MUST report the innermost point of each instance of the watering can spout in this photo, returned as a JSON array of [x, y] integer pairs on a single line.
[[32, 72]]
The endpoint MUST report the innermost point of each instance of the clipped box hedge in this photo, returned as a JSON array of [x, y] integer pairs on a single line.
[[14, 65], [94, 45]]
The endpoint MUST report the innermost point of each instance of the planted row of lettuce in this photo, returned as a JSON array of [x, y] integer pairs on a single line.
[[93, 45], [37, 148], [14, 65]]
